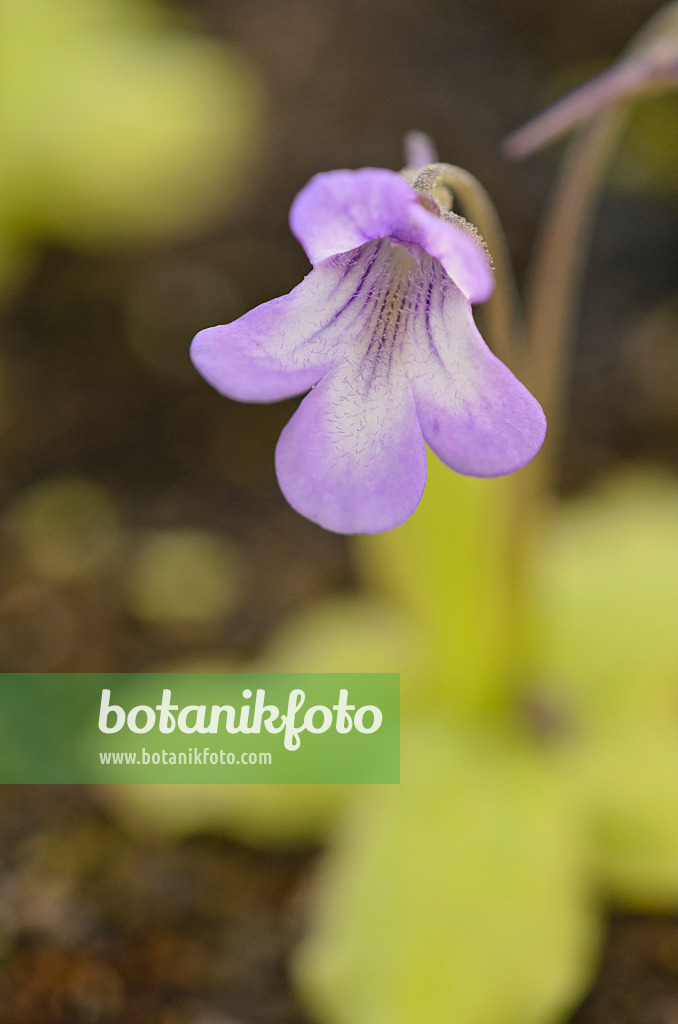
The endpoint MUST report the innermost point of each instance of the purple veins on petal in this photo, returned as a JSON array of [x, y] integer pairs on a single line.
[[474, 414], [352, 457], [384, 337], [283, 347]]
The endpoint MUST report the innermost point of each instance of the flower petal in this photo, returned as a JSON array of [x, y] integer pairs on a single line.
[[352, 457], [284, 346], [339, 210], [475, 415], [459, 250]]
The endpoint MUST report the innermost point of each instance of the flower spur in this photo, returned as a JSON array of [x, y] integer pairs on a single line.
[[381, 332]]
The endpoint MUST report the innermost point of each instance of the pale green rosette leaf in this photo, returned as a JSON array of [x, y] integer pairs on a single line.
[[608, 599], [456, 896], [629, 790], [607, 595], [449, 566]]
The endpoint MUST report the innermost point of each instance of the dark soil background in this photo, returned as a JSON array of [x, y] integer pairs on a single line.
[[100, 926]]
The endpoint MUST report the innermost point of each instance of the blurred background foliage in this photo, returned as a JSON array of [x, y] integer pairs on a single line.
[[149, 155], [117, 125]]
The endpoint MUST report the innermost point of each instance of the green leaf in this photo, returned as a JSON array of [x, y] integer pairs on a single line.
[[456, 896], [449, 566], [607, 593], [628, 779], [116, 124], [608, 597]]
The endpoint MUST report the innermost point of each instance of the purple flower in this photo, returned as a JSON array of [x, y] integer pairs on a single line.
[[382, 332]]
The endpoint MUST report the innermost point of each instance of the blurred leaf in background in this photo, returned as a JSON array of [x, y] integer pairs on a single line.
[[118, 124], [457, 895], [606, 593], [340, 634], [68, 528], [443, 875], [479, 877], [183, 577]]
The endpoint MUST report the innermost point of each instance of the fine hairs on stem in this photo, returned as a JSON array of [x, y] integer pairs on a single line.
[[502, 316]]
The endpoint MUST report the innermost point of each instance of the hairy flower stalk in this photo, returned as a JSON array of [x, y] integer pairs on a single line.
[[445, 185], [382, 333]]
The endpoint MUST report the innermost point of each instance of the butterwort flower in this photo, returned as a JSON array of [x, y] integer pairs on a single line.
[[382, 333]]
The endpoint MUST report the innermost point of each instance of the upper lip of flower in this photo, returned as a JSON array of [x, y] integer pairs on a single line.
[[340, 210], [382, 332]]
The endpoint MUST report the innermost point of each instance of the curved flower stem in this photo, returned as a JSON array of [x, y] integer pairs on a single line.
[[504, 329], [580, 107], [442, 184], [503, 321], [558, 264]]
